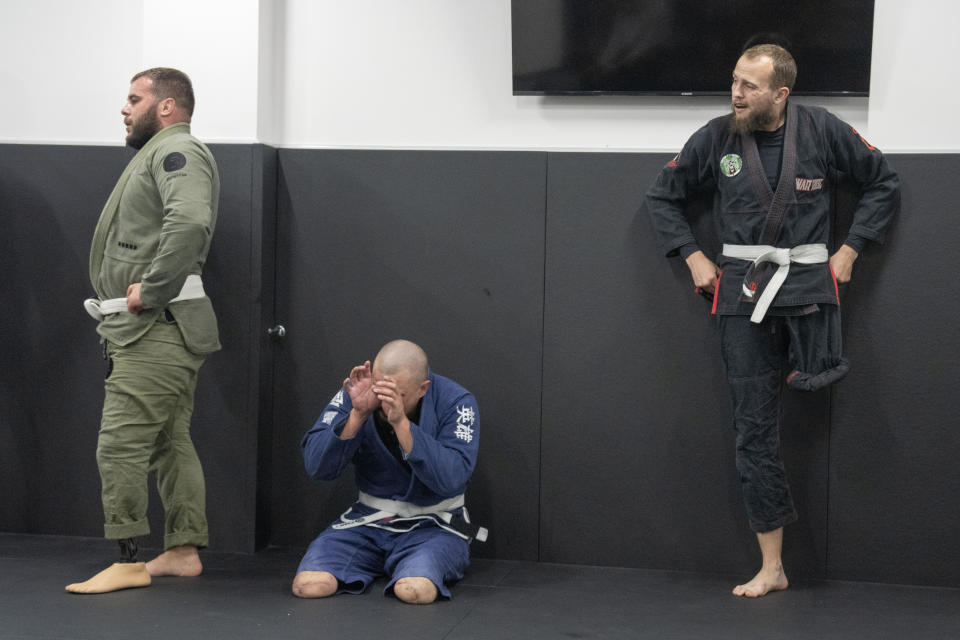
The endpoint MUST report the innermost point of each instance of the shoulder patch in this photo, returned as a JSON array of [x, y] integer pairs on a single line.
[[174, 162]]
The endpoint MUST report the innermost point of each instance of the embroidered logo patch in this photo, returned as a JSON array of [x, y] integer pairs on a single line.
[[328, 417], [809, 184], [174, 162], [466, 416], [731, 164], [337, 399]]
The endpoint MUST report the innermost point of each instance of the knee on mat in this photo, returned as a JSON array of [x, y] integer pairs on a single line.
[[415, 590], [314, 584]]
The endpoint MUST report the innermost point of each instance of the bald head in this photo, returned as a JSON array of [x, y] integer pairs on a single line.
[[406, 363], [402, 356]]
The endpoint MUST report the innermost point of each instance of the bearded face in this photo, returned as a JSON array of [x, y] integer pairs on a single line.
[[757, 105], [143, 127], [759, 117]]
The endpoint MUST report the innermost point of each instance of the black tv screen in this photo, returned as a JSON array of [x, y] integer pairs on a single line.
[[685, 47]]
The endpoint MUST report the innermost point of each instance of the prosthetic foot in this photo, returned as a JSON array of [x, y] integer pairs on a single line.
[[126, 574]]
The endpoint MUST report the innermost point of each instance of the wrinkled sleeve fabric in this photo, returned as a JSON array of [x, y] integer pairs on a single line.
[[184, 179], [325, 455], [689, 171], [879, 184]]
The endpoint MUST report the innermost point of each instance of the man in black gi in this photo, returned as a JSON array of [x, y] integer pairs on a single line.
[[774, 286]]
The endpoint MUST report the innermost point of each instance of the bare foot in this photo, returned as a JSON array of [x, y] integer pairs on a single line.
[[772, 579], [182, 561], [120, 575]]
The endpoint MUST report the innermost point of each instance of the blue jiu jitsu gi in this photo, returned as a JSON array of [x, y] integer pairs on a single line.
[[410, 519]]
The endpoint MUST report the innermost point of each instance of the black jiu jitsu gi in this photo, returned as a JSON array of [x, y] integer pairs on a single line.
[[802, 322]]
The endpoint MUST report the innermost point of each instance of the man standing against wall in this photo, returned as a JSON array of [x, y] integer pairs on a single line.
[[774, 286], [157, 326]]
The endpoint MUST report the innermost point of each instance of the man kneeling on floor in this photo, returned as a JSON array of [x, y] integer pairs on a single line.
[[412, 436]]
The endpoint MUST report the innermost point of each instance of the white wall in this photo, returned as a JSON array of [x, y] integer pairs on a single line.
[[67, 65], [216, 42], [400, 74]]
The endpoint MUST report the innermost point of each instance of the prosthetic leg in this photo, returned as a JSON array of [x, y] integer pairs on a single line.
[[126, 574]]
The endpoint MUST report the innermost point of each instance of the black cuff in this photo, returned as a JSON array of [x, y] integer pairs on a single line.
[[688, 250], [855, 242]]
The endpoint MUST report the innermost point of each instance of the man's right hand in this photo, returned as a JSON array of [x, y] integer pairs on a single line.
[[703, 271], [360, 388]]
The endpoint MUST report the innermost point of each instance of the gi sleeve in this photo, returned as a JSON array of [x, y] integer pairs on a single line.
[[879, 184], [688, 172], [184, 179], [325, 455], [445, 463]]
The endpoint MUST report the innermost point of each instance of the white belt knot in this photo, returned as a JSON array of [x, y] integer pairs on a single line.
[[98, 309], [407, 511], [758, 253]]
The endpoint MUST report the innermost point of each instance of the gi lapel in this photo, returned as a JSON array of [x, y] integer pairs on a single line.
[[775, 203]]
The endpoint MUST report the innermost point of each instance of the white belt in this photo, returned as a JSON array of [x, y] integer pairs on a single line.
[[192, 289], [408, 511], [803, 254]]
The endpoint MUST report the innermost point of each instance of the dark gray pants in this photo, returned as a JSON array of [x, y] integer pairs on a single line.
[[753, 355]]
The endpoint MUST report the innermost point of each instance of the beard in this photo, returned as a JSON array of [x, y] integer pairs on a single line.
[[755, 120], [143, 129]]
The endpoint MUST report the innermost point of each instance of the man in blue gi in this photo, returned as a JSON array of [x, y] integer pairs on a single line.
[[412, 436], [770, 164]]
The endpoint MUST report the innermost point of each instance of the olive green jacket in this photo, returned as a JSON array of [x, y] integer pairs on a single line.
[[156, 229]]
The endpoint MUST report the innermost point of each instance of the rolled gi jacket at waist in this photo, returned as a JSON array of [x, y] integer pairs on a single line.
[[760, 253], [98, 309]]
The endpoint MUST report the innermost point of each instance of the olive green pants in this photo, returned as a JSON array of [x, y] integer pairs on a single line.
[[146, 427]]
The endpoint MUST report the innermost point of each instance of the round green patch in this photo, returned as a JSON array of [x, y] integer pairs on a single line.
[[731, 164]]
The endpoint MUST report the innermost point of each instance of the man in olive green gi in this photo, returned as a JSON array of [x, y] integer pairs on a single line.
[[157, 326]]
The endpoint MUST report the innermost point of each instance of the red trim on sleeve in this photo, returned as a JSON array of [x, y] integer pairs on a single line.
[[863, 140], [836, 287], [716, 295]]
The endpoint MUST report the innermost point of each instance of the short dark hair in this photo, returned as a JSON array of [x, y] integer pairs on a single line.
[[784, 66], [170, 83]]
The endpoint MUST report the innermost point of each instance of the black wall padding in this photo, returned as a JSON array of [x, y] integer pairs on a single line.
[[50, 362], [895, 432], [534, 279]]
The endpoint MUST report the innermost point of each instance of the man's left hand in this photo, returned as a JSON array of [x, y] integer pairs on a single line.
[[391, 402], [134, 303], [842, 263]]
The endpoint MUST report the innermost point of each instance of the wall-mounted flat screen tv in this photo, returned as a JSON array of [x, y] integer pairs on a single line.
[[684, 47]]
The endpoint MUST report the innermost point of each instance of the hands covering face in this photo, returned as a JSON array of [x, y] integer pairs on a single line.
[[366, 394], [391, 400], [360, 387]]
